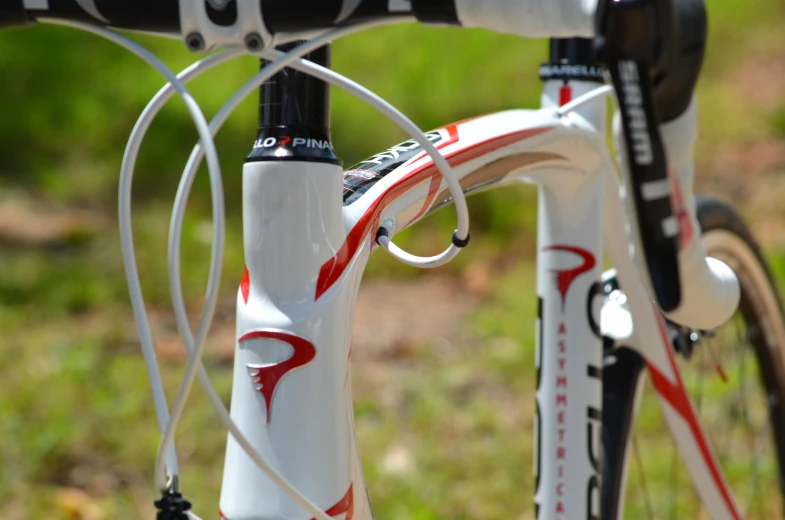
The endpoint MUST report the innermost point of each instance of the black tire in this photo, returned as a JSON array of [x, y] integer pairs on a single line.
[[760, 312]]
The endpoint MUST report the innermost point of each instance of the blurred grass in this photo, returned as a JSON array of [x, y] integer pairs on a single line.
[[75, 410]]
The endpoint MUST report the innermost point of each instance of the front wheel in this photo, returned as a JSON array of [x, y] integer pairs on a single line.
[[736, 379]]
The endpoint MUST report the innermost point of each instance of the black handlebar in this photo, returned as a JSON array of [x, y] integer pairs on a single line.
[[157, 16], [163, 16]]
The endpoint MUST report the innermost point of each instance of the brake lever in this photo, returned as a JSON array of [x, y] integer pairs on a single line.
[[631, 40]]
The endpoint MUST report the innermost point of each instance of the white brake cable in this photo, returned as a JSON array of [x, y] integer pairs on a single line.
[[280, 61], [195, 348], [178, 216], [134, 144], [126, 180], [579, 101], [129, 161], [219, 232], [453, 183], [126, 236], [130, 261]]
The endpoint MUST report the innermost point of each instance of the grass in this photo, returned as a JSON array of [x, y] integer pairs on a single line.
[[447, 435]]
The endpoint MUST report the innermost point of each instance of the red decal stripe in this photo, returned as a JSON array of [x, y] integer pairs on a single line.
[[245, 285], [267, 377], [436, 180], [344, 505], [334, 268], [687, 233], [565, 95], [676, 395]]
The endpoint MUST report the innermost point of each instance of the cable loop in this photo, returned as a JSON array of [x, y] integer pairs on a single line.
[[405, 124]]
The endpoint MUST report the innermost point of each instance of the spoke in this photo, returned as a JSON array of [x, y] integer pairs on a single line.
[[759, 442], [742, 376], [724, 443], [752, 492], [698, 398], [642, 483], [674, 483]]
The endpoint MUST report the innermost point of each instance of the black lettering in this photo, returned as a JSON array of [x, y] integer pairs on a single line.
[[592, 498], [538, 416], [595, 290], [594, 431]]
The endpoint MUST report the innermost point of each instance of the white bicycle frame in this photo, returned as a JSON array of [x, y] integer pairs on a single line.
[[305, 255]]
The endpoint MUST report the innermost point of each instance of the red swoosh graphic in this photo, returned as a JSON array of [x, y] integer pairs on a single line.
[[344, 505], [245, 285], [565, 277], [334, 268], [436, 179], [267, 377], [676, 395]]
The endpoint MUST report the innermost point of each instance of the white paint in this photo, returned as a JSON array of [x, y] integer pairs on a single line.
[[41, 5], [670, 227], [654, 190], [91, 9], [347, 8], [400, 6]]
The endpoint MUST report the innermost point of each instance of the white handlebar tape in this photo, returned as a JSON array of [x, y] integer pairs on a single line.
[[710, 289], [530, 18]]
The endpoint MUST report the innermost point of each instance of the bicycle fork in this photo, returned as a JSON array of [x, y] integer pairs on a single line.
[[568, 427]]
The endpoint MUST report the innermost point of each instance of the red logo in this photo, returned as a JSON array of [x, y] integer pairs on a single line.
[[344, 505], [283, 141], [267, 377], [565, 277]]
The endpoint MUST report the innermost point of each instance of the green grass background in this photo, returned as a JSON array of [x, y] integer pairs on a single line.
[[75, 407]]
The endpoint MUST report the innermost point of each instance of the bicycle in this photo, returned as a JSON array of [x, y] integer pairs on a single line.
[[306, 247]]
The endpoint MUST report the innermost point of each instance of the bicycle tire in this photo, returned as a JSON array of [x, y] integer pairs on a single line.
[[726, 237]]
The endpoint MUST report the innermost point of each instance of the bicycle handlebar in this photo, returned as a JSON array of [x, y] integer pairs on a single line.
[[178, 17], [632, 42]]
